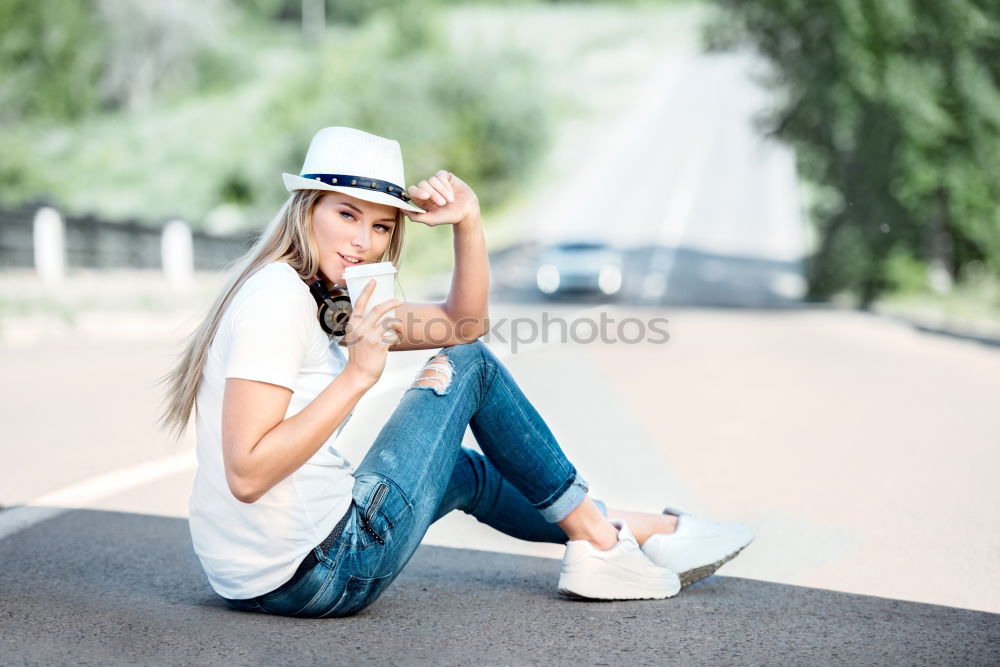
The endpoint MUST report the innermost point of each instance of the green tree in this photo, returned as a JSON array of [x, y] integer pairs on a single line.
[[482, 113], [50, 59], [894, 111]]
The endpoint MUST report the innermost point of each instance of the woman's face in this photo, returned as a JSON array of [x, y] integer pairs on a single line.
[[349, 229]]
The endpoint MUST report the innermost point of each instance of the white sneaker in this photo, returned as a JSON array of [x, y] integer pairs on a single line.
[[698, 547], [623, 572]]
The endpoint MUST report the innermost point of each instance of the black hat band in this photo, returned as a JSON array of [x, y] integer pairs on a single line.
[[348, 181]]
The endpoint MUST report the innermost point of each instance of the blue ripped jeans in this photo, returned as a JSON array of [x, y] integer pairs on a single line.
[[417, 471]]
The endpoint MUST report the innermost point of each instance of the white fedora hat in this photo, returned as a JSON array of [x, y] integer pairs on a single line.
[[356, 163]]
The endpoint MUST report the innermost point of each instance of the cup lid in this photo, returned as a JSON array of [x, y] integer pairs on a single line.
[[369, 270]]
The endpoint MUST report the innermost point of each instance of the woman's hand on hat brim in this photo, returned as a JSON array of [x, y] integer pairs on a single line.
[[445, 197]]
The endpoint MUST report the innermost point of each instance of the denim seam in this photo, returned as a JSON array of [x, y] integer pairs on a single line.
[[322, 559], [319, 593], [288, 591], [480, 481], [326, 560], [347, 584], [343, 594]]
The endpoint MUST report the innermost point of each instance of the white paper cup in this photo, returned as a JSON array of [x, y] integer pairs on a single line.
[[357, 277]]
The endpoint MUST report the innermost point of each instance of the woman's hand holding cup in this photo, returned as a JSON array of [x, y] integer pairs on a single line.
[[370, 334]]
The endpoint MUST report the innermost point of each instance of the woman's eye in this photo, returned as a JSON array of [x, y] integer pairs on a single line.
[[346, 214], [385, 228]]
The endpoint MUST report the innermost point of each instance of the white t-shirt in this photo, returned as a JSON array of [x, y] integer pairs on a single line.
[[269, 332]]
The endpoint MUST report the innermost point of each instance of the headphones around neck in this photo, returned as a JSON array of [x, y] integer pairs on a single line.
[[334, 307]]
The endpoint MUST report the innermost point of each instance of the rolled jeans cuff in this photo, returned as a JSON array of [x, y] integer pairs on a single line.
[[567, 502]]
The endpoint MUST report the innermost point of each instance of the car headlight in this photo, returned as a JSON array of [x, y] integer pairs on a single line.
[[609, 281], [789, 285], [547, 278]]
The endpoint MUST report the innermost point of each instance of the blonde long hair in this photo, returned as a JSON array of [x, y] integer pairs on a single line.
[[289, 238]]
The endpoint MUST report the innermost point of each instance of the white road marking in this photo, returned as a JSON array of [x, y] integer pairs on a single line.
[[83, 494]]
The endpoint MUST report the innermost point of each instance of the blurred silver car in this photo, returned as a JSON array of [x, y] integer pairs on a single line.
[[579, 266]]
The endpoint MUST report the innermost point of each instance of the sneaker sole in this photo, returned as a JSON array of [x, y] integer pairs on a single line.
[[585, 586], [699, 573]]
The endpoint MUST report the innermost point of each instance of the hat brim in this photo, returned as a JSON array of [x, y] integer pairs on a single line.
[[293, 183]]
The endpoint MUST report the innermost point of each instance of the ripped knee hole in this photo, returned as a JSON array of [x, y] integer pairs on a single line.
[[436, 373]]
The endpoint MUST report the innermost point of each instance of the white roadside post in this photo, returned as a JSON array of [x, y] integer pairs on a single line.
[[50, 245], [177, 254], [313, 20]]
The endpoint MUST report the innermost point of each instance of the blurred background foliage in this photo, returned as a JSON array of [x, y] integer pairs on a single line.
[[192, 108], [893, 109]]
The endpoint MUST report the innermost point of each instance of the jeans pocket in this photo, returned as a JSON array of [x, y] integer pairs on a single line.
[[372, 510], [359, 592], [379, 506]]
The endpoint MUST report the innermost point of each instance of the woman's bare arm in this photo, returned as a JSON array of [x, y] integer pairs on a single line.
[[260, 447], [463, 317]]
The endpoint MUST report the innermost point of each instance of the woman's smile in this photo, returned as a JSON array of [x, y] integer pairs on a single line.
[[350, 260]]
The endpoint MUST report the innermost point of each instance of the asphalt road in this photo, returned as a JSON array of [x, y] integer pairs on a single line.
[[99, 588]]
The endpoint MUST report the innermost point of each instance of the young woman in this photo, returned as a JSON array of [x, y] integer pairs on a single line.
[[280, 521]]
